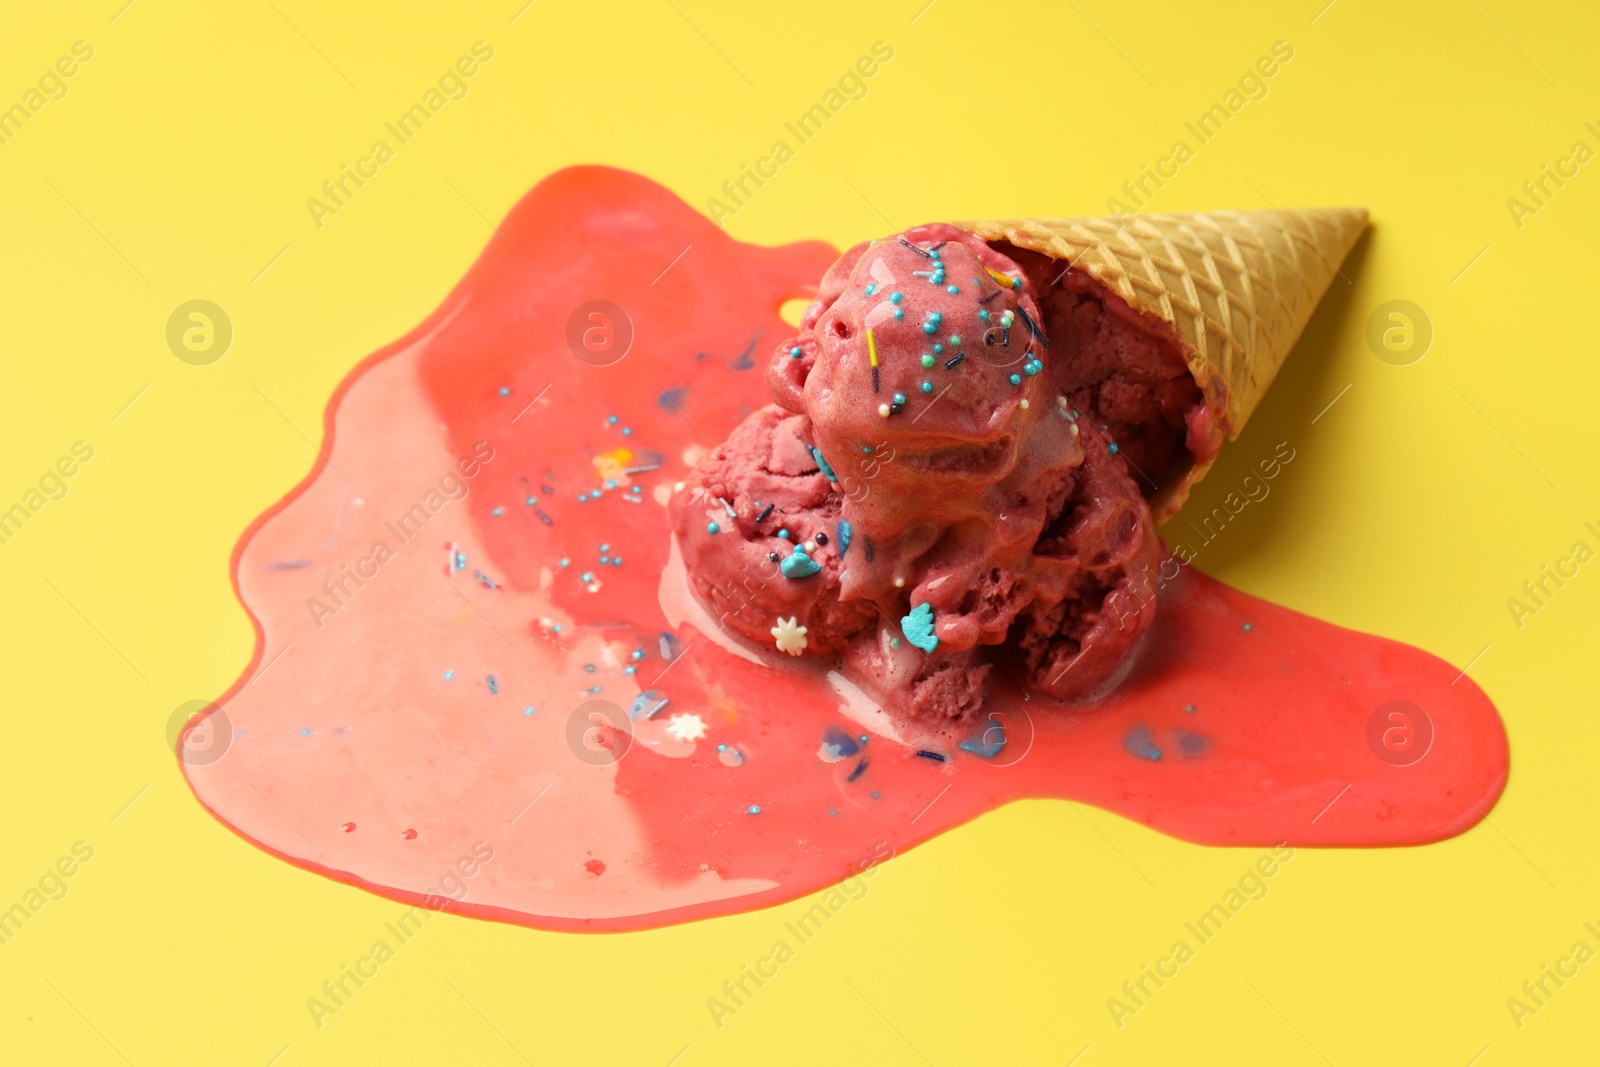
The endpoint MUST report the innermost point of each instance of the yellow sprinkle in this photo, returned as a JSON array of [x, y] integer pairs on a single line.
[[872, 349], [1004, 279]]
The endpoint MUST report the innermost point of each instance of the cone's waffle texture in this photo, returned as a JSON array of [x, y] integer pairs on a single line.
[[1236, 286]]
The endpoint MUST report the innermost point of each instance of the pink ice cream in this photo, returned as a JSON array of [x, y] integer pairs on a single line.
[[943, 484]]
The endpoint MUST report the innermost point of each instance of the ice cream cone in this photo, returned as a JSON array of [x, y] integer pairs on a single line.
[[1236, 286]]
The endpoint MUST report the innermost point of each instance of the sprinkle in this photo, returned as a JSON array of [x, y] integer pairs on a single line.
[[841, 530], [1031, 368], [860, 769], [952, 289], [935, 756], [641, 470], [799, 565], [485, 580], [899, 313], [1032, 328], [1247, 627], [821, 538], [754, 809], [951, 363], [611, 420], [564, 563], [927, 387], [1005, 279], [1113, 451], [637, 653], [987, 744], [1016, 379], [895, 298], [784, 533], [928, 361], [871, 288], [687, 727], [461, 561], [1138, 742], [712, 527], [528, 710], [494, 686], [872, 357], [505, 391], [930, 327], [789, 636], [605, 559], [955, 340], [732, 514], [765, 512], [918, 627], [924, 253], [1024, 404], [822, 464], [899, 398], [794, 352], [648, 704], [627, 431], [305, 731], [983, 313], [884, 410], [448, 674]]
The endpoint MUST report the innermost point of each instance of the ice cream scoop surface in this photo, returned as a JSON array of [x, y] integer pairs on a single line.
[[924, 414]]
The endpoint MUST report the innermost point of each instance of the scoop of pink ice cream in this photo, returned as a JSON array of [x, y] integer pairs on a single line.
[[964, 502]]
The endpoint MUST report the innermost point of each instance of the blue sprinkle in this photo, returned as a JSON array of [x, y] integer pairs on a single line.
[[605, 559], [930, 327], [504, 391], [494, 686], [899, 313], [528, 710], [461, 561], [671, 400], [794, 352], [937, 757], [616, 561], [630, 669], [918, 627], [989, 743], [841, 532], [611, 483], [899, 398], [983, 313], [531, 501], [594, 494], [937, 349], [637, 489], [876, 794], [1016, 379], [833, 812], [627, 431], [712, 528], [754, 809], [836, 745], [592, 689], [895, 298], [305, 731], [448, 674], [871, 288], [565, 562], [611, 420], [588, 668], [586, 576], [1247, 627], [637, 653], [497, 511], [1139, 742], [605, 546], [784, 533], [927, 387], [952, 289], [799, 565], [822, 464], [1113, 450], [860, 769]]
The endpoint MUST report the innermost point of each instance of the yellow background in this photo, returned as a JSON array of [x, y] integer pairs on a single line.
[[178, 166]]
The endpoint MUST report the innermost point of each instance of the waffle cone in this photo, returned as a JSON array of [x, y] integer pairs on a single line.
[[1236, 286]]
